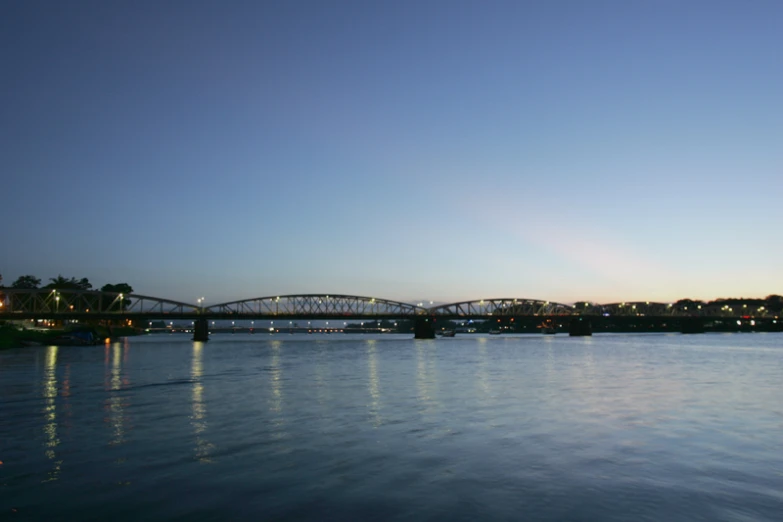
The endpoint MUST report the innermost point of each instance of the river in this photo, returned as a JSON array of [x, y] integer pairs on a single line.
[[356, 427]]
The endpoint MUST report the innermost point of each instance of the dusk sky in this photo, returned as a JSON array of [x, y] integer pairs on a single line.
[[445, 150]]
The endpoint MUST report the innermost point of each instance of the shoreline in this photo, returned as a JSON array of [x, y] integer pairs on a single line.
[[12, 337]]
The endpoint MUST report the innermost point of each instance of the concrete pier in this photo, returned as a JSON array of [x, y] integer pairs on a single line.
[[580, 327], [201, 330], [692, 325], [424, 328]]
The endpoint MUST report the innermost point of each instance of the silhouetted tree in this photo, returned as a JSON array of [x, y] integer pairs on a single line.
[[120, 288], [62, 283], [26, 282], [774, 302]]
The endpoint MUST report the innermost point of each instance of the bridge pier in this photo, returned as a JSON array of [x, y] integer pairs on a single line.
[[424, 328], [692, 325], [580, 327], [201, 330]]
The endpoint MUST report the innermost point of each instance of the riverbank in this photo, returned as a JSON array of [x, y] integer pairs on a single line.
[[13, 337]]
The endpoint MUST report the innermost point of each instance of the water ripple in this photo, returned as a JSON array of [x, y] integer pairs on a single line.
[[617, 428]]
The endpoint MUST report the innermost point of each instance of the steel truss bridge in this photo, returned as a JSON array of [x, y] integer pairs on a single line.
[[85, 305]]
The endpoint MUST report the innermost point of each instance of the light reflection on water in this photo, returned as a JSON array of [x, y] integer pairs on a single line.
[[199, 416], [383, 427], [482, 378], [276, 400], [373, 382], [115, 402], [322, 373], [426, 377], [51, 440]]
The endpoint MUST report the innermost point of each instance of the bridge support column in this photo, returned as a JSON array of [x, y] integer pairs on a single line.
[[692, 325], [201, 330], [424, 328], [580, 327]]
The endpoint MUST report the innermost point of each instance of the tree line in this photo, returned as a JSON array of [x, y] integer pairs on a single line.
[[30, 282]]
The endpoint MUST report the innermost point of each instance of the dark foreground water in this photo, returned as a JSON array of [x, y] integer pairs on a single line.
[[615, 427]]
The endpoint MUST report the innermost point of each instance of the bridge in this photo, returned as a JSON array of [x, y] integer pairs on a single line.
[[83, 305]]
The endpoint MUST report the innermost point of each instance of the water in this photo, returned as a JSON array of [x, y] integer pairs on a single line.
[[609, 428]]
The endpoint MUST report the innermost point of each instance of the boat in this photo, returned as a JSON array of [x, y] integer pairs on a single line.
[[494, 332], [448, 333], [548, 327], [73, 340]]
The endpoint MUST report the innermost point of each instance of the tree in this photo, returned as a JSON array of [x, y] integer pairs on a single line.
[[774, 303], [120, 288], [61, 283], [26, 282]]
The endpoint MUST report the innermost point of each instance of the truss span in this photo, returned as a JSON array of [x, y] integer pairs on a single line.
[[38, 303], [502, 307], [638, 309], [315, 306]]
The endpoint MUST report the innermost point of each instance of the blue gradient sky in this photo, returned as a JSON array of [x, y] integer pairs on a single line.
[[562, 150]]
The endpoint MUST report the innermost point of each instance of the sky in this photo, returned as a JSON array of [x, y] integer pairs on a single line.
[[410, 150]]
